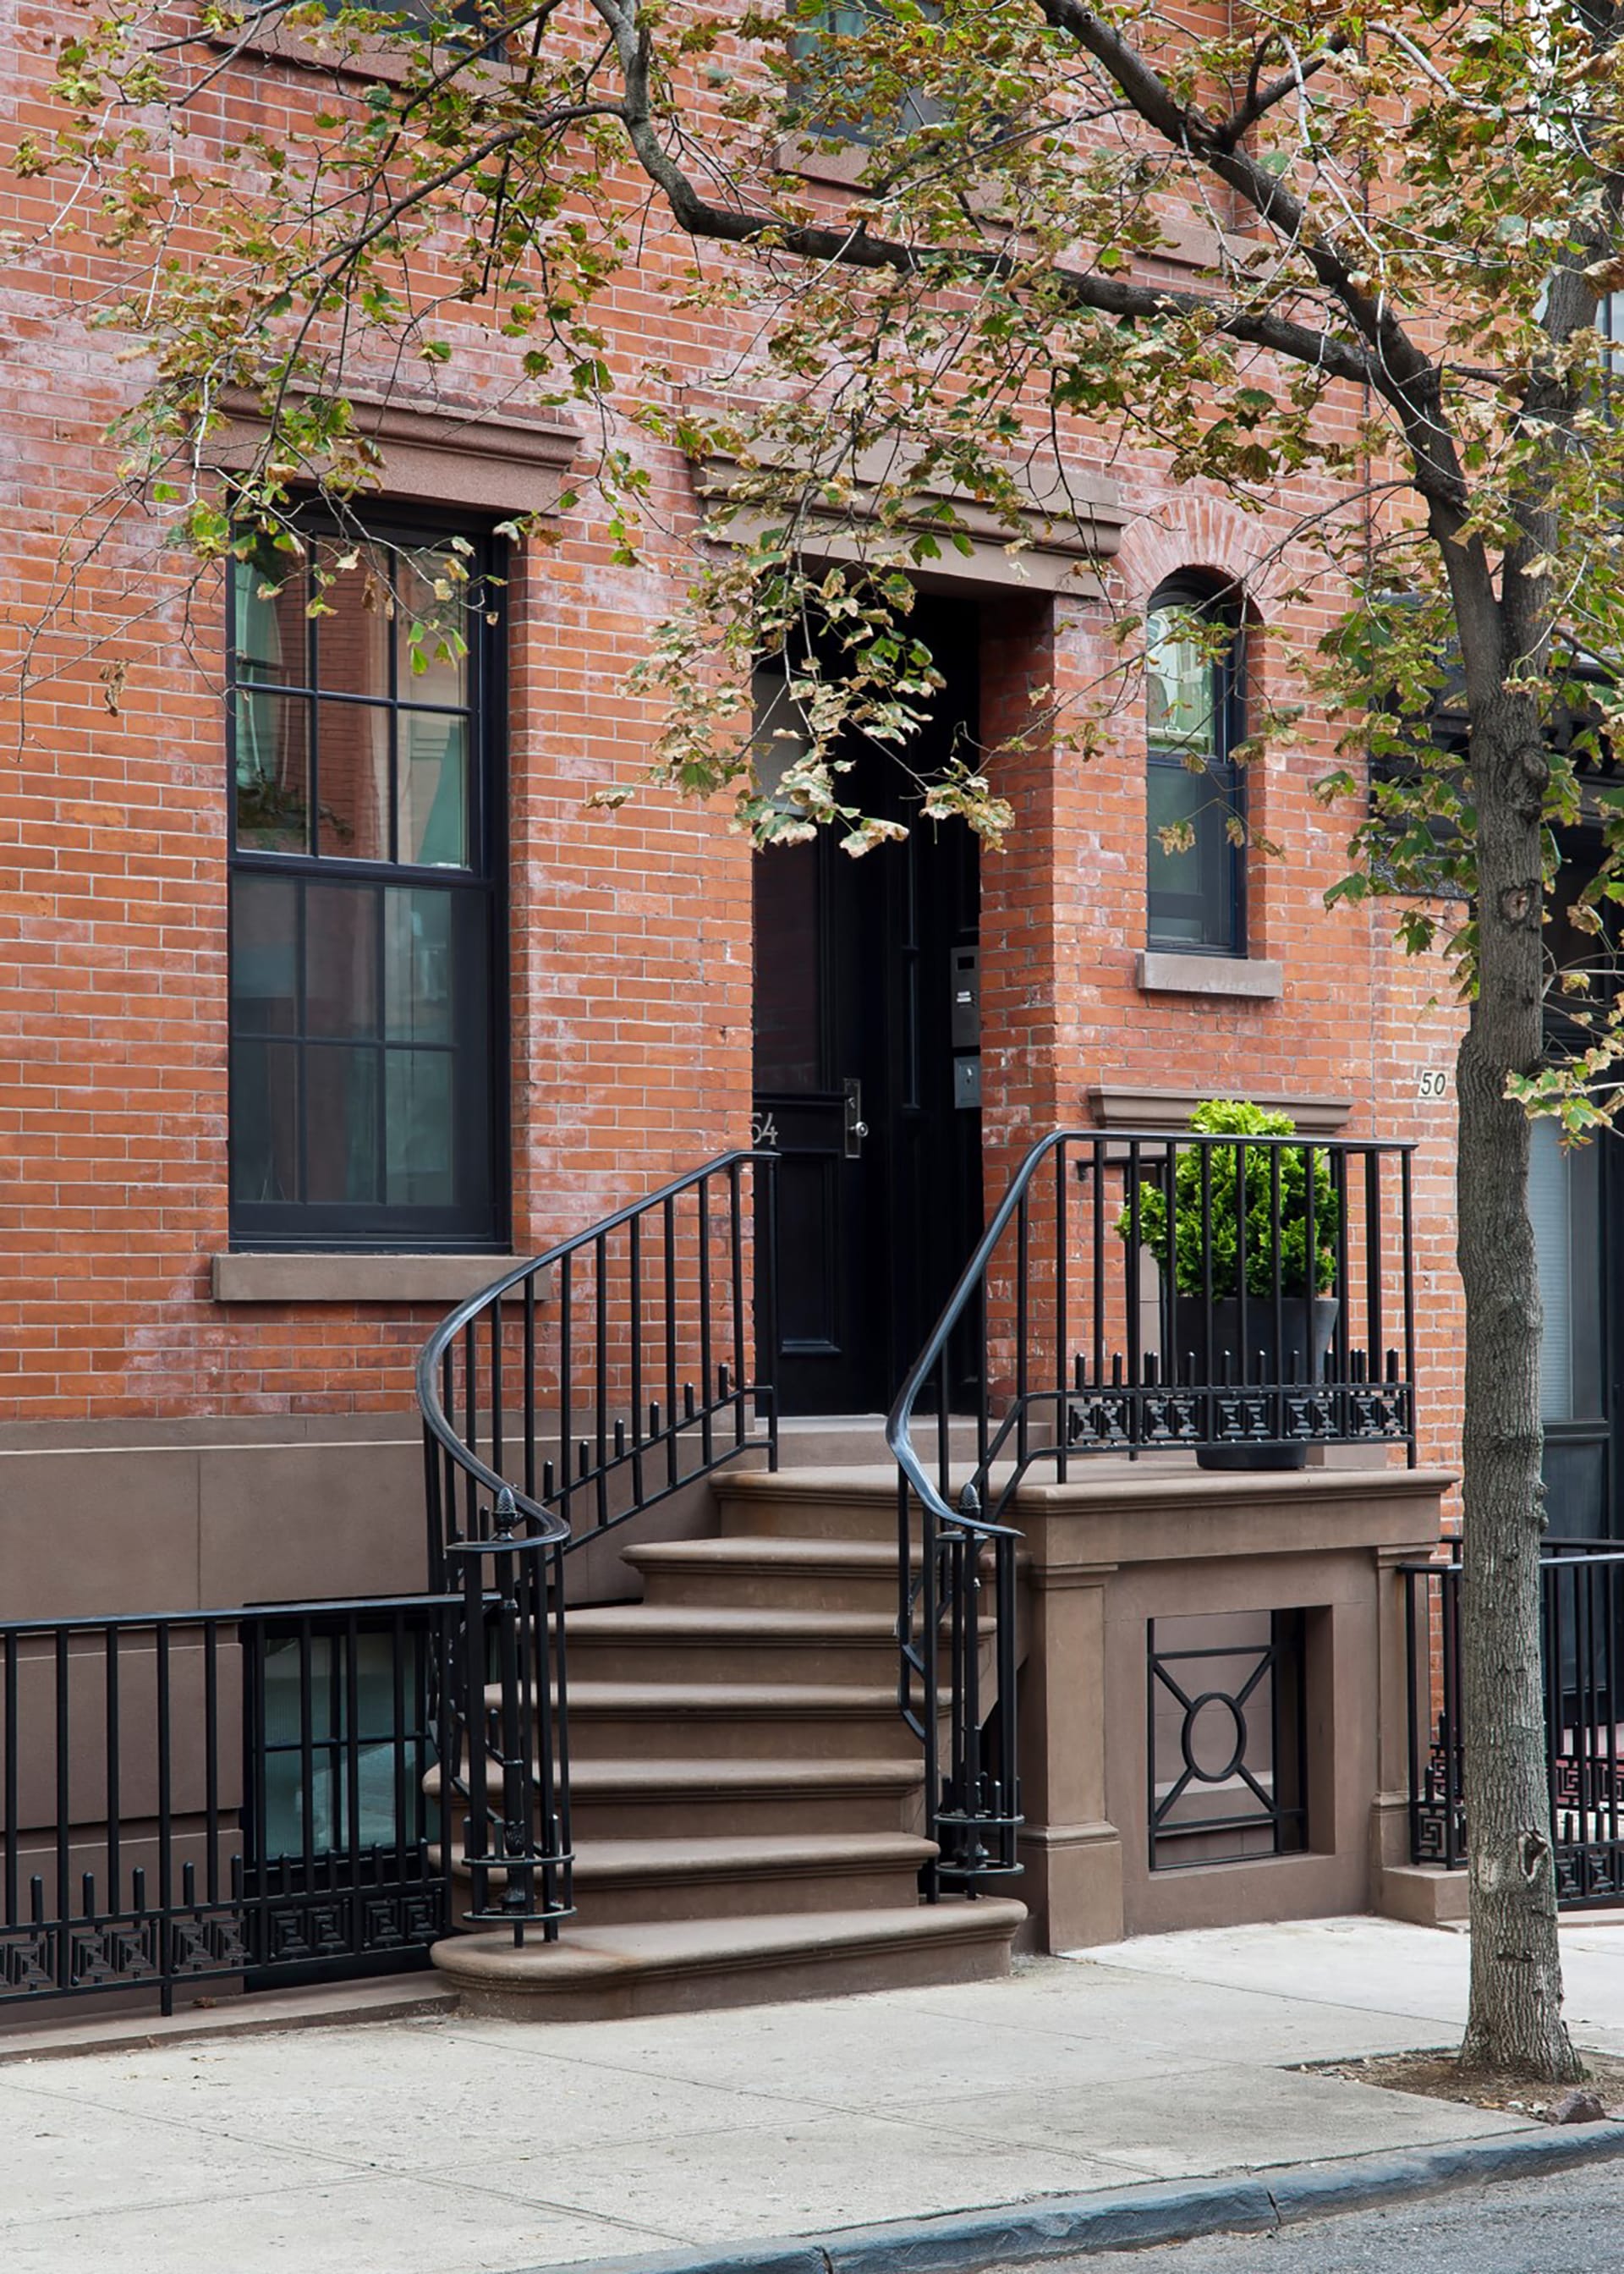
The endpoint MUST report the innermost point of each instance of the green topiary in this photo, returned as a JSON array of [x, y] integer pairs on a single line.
[[1229, 1116]]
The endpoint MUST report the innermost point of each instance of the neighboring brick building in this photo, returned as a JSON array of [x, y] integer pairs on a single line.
[[206, 1399]]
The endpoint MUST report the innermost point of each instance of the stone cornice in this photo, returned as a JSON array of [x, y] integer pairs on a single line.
[[1072, 519], [436, 452]]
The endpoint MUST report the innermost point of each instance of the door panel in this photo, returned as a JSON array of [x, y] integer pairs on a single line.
[[857, 1077]]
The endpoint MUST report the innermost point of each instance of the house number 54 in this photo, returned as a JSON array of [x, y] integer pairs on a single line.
[[1432, 1082]]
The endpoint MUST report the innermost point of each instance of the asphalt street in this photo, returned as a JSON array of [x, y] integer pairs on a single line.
[[1570, 2223]]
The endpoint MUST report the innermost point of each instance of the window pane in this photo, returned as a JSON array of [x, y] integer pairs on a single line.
[[340, 1123], [291, 1809], [1190, 891], [270, 629], [353, 753], [341, 960], [273, 772], [417, 967], [265, 1121], [263, 956], [1179, 683], [353, 632], [433, 780], [417, 1098], [1563, 1200], [432, 628]]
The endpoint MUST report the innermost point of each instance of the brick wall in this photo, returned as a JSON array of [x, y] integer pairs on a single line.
[[629, 942]]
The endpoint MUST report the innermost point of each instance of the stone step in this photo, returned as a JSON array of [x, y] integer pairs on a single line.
[[621, 1880], [837, 1575], [651, 1797], [834, 1502], [592, 1974], [812, 1503], [639, 1642], [718, 1719]]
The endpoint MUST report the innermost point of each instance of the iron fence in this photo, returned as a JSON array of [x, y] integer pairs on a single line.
[[206, 1794], [1581, 1657]]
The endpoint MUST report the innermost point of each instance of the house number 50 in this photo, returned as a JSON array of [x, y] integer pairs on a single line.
[[1433, 1083]]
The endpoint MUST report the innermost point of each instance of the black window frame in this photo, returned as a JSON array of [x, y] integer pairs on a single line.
[[1201, 597], [372, 1228], [915, 112]]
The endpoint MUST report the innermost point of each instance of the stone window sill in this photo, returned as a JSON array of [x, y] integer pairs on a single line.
[[339, 1278], [1116, 1105], [1248, 978]]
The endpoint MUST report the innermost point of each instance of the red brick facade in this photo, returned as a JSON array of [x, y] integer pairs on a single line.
[[630, 936]]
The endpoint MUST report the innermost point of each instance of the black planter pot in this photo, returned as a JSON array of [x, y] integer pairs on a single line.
[[1297, 1356]]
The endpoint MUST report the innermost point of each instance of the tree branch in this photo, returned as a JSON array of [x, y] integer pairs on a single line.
[[856, 248], [1228, 133]]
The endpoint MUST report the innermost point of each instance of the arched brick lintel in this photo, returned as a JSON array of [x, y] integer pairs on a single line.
[[1193, 533]]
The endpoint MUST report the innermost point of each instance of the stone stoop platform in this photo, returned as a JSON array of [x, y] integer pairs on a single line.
[[599, 1974], [746, 1802]]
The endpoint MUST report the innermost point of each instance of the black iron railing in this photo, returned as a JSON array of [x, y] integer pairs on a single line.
[[206, 1794], [1581, 1654], [582, 1388], [595, 1379], [1237, 1297], [508, 1732]]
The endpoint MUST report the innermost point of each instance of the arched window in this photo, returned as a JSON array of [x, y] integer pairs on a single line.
[[1196, 800]]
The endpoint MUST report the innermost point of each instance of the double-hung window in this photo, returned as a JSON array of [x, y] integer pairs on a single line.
[[1195, 794], [367, 1080]]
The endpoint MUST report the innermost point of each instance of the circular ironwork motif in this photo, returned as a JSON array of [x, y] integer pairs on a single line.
[[1222, 1707]]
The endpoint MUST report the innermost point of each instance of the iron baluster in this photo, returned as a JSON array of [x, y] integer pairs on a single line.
[[736, 1290], [707, 1377], [1063, 1339], [1407, 1234], [497, 1428], [634, 1268], [529, 1362], [669, 1214], [565, 1460], [166, 1816], [1277, 1417], [64, 1813], [600, 1309], [1135, 1412]]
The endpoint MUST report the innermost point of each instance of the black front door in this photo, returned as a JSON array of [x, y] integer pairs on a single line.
[[867, 1073]]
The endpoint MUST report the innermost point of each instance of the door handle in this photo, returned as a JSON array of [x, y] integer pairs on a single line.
[[855, 1128]]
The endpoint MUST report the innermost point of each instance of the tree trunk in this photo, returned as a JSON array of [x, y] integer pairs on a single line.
[[1515, 2021]]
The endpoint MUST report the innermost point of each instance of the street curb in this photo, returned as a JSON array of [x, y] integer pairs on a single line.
[[1132, 2218]]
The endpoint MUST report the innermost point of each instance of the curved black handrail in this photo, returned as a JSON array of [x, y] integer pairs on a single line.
[[548, 1489], [1231, 1376], [664, 1280]]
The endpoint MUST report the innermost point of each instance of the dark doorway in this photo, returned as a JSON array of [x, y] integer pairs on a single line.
[[867, 1073]]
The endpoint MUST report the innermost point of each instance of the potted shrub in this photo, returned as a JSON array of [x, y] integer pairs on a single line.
[[1199, 1246]]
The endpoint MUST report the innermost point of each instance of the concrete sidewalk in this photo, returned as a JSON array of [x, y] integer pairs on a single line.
[[461, 2146]]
